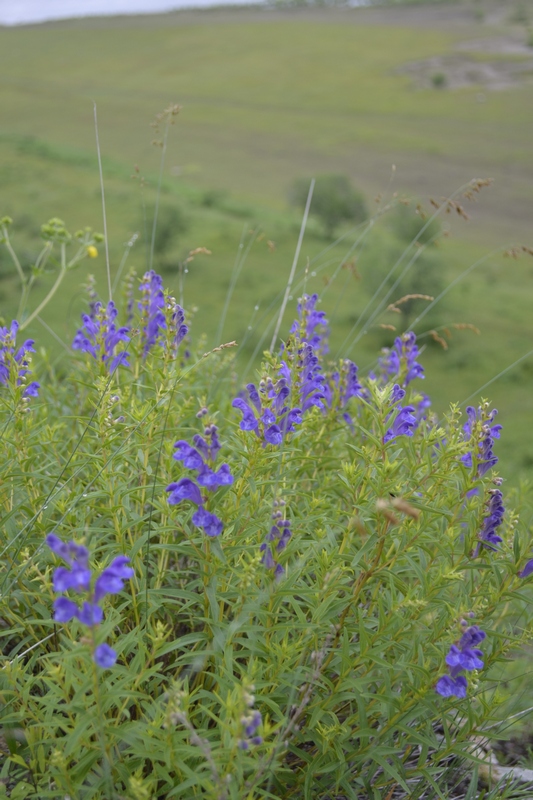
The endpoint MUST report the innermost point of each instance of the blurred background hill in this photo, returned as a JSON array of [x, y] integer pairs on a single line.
[[402, 103]]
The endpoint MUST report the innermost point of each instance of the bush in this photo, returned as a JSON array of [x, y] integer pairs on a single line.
[[334, 201], [439, 80], [289, 591], [171, 222]]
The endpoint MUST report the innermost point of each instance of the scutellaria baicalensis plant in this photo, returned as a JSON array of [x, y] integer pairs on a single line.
[[337, 546]]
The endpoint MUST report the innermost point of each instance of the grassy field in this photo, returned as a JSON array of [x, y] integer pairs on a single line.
[[267, 97]]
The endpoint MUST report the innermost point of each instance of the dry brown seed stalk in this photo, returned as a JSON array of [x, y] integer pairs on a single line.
[[402, 505], [436, 338], [465, 326]]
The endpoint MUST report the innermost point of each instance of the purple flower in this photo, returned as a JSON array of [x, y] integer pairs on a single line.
[[249, 421], [209, 447], [275, 542], [179, 328], [212, 480], [268, 416], [151, 306], [32, 389], [69, 551], [191, 458], [311, 325], [399, 363], [64, 609], [100, 337], [480, 432], [403, 420], [528, 569], [90, 614], [310, 378], [104, 656], [488, 536], [78, 577], [250, 724], [185, 489], [211, 524], [462, 656], [466, 658], [452, 687], [14, 363], [158, 315], [111, 581]]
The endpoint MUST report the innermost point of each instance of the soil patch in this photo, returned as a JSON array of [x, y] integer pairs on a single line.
[[458, 71], [461, 70]]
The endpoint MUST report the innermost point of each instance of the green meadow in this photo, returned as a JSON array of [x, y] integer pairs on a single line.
[[269, 96]]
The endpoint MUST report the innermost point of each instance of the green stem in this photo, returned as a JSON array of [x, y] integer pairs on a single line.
[[14, 257], [51, 293], [101, 730]]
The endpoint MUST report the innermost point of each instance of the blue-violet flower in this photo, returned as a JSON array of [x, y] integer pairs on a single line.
[[77, 576], [462, 656]]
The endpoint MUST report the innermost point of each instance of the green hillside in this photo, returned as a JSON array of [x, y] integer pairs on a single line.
[[269, 96]]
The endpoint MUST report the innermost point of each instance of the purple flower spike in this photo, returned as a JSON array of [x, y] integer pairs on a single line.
[[399, 362], [488, 537], [104, 656], [15, 364], [151, 306], [250, 723], [185, 489], [461, 656], [311, 325], [78, 577], [179, 327], [100, 337], [480, 432]]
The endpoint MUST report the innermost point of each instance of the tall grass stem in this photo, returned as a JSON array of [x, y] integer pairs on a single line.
[[104, 215], [294, 263]]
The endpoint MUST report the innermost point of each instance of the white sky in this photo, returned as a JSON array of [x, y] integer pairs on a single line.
[[13, 12]]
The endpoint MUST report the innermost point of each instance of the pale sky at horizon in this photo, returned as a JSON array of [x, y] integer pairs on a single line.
[[16, 12]]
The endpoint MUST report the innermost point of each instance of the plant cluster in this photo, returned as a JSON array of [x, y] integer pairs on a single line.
[[297, 573]]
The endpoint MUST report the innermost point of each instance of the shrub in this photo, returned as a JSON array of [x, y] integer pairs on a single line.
[[170, 223], [334, 201], [439, 80]]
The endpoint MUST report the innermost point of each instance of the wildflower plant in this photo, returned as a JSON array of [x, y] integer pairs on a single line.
[[311, 581]]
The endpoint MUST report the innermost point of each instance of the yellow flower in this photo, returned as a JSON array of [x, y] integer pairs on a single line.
[[92, 252]]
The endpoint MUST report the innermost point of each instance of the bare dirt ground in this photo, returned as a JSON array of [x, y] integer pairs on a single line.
[[459, 71]]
